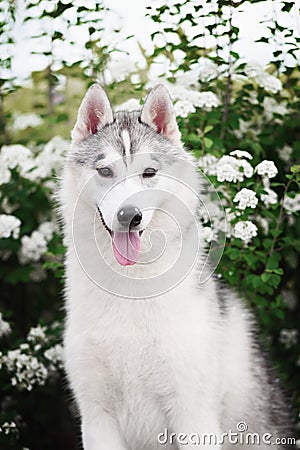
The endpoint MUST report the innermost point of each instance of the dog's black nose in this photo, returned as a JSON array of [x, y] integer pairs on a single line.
[[130, 216]]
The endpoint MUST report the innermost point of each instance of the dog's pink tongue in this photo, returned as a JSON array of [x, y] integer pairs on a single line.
[[127, 247]]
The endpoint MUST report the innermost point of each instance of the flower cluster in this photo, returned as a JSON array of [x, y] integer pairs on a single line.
[[37, 334], [245, 230], [285, 153], [268, 82], [9, 226], [232, 169], [55, 356], [266, 169], [23, 121], [8, 428], [26, 369], [132, 104], [208, 234], [35, 360], [186, 100], [33, 247], [288, 337], [118, 69], [246, 199], [270, 198], [31, 166], [4, 326], [203, 71], [292, 204]]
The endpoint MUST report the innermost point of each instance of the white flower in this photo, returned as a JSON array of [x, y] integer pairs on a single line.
[[289, 298], [233, 169], [29, 166], [270, 198], [266, 168], [37, 334], [240, 154], [253, 69], [208, 164], [271, 107], [208, 234], [5, 174], [24, 346], [8, 427], [246, 198], [263, 222], [55, 356], [263, 78], [13, 156], [27, 370], [292, 205], [210, 210], [285, 153], [56, 146], [183, 108], [245, 230], [48, 229], [32, 247], [132, 104], [288, 337], [246, 128], [4, 326], [9, 226], [269, 82], [208, 70], [23, 121], [189, 78], [118, 70], [206, 100], [48, 160], [179, 92], [253, 98]]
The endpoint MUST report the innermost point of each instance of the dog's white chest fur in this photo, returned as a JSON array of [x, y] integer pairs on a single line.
[[137, 355]]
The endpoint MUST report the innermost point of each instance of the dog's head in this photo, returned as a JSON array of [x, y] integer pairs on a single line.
[[130, 162]]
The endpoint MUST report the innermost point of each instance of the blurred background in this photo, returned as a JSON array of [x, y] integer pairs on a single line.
[[232, 68]]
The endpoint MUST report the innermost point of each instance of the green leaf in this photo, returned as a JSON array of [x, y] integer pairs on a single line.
[[234, 254], [208, 142], [265, 276], [208, 128], [295, 169], [273, 261], [274, 280]]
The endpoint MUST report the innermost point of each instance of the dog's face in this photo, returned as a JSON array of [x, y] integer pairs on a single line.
[[127, 165]]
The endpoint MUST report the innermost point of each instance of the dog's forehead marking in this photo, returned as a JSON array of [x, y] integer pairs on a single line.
[[126, 140]]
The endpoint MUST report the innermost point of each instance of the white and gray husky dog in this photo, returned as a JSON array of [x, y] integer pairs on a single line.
[[155, 358]]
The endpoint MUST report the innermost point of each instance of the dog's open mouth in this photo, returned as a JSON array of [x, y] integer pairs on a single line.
[[126, 244]]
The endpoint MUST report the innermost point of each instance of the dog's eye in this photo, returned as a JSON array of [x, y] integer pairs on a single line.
[[105, 172], [149, 172]]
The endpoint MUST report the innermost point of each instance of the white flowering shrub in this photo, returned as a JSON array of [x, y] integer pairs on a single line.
[[31, 258], [241, 121]]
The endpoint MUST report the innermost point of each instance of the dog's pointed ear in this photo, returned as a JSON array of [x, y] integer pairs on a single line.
[[94, 113], [158, 112]]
